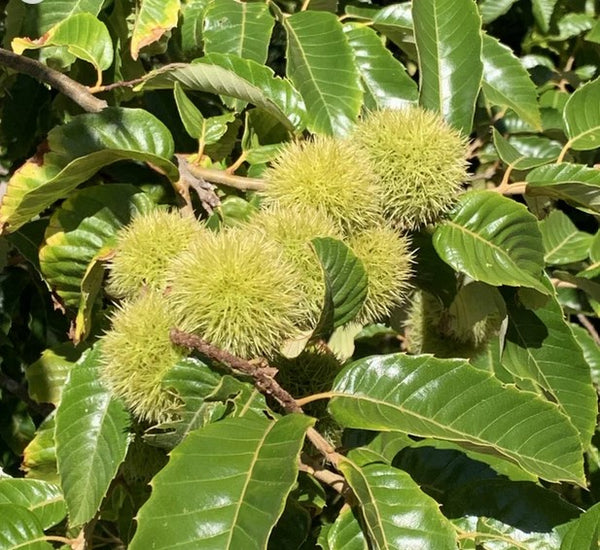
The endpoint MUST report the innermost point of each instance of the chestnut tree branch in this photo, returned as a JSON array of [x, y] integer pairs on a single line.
[[263, 380], [59, 81], [223, 178]]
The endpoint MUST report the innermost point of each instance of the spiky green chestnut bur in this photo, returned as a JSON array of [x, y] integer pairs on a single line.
[[419, 160], [144, 249], [326, 173], [293, 228], [137, 352], [237, 290], [387, 259]]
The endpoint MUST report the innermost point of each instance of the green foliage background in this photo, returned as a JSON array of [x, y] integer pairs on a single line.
[[491, 446]]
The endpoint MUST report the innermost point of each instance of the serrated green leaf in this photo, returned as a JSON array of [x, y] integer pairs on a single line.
[[511, 156], [91, 438], [491, 533], [43, 499], [574, 183], [152, 20], [20, 529], [542, 12], [492, 9], [345, 281], [238, 78], [233, 497], [191, 26], [83, 35], [582, 117], [448, 38], [506, 82], [207, 130], [239, 28], [584, 532], [492, 239], [344, 533], [384, 78], [193, 381], [591, 350], [450, 399], [46, 377], [563, 242], [39, 457], [395, 22], [396, 512], [85, 225], [539, 346], [326, 77], [78, 150]]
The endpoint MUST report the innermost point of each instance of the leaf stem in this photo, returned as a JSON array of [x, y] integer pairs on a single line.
[[315, 397], [223, 178], [563, 152], [59, 81]]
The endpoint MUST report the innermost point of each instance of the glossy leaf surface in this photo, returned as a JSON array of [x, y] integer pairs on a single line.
[[154, 18], [91, 439], [582, 117], [43, 499], [20, 529], [463, 404], [448, 39], [325, 76], [397, 513], [232, 498], [492, 239]]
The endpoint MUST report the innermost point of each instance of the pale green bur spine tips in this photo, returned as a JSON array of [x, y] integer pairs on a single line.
[[387, 259], [137, 353], [325, 173], [146, 247], [236, 289], [419, 160]]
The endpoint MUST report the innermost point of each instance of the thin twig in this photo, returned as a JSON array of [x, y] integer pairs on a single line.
[[120, 84], [204, 190], [589, 327], [59, 81], [263, 380], [335, 481], [223, 178]]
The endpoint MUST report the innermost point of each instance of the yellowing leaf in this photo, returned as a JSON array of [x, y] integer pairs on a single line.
[[154, 19]]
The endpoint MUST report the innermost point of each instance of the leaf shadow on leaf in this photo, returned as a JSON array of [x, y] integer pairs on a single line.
[[467, 487]]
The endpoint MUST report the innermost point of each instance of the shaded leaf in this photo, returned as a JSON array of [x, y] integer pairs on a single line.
[[320, 63], [84, 226], [506, 82], [20, 528], [83, 35], [344, 533], [191, 26], [153, 19], [91, 438], [492, 9], [563, 242], [542, 12], [235, 498], [492, 239], [43, 499], [448, 38], [78, 150], [395, 22], [239, 28], [450, 399], [574, 183], [345, 281], [384, 78], [396, 512], [591, 350], [234, 77], [582, 117], [47, 376], [518, 160]]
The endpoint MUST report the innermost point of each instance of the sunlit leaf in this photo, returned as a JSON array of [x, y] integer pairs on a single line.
[[493, 239], [154, 18], [91, 439], [463, 404], [563, 242], [584, 532], [448, 38], [21, 529], [232, 498], [321, 65], [506, 82], [582, 117], [386, 83]]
